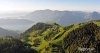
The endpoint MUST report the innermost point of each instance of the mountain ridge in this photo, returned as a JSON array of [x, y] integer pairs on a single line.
[[62, 17], [62, 39]]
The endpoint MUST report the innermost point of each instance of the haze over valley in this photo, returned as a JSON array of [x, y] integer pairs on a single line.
[[24, 21]]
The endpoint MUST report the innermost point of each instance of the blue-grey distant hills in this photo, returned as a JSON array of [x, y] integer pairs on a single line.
[[4, 32], [16, 24], [62, 17], [22, 23]]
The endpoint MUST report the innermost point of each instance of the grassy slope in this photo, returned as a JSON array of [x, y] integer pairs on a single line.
[[97, 23], [63, 32]]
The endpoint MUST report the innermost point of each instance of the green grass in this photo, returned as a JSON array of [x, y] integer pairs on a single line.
[[97, 23], [42, 45], [57, 35], [58, 41]]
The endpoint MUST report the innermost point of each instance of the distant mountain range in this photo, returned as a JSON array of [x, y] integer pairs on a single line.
[[22, 23], [4, 32], [15, 24], [62, 17]]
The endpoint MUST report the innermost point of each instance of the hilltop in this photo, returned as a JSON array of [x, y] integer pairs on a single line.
[[52, 37]]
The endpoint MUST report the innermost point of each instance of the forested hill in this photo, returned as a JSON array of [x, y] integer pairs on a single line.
[[53, 38], [9, 44]]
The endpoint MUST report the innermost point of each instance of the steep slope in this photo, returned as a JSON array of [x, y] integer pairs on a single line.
[[84, 37], [97, 22], [53, 38]]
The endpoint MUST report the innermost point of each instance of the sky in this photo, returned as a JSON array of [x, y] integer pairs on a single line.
[[31, 5]]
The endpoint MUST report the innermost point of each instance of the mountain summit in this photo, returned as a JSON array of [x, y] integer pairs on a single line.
[[53, 38]]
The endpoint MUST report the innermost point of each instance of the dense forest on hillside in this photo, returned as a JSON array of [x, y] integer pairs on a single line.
[[54, 38], [9, 44]]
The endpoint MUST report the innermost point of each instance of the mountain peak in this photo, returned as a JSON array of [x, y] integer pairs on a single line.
[[45, 38]]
